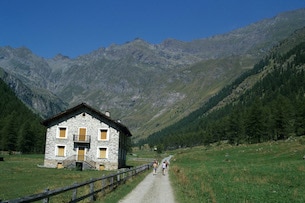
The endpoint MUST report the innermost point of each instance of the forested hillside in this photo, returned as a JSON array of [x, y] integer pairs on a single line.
[[20, 128], [265, 103]]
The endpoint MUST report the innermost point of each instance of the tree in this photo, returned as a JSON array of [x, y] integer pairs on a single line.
[[235, 131], [300, 118], [160, 148], [10, 133], [282, 114], [26, 139], [255, 126]]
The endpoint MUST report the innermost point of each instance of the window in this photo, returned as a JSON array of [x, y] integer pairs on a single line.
[[60, 151], [62, 132], [102, 153], [103, 134]]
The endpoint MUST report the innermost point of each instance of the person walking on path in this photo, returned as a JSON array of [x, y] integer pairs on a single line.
[[163, 168], [153, 189], [155, 166]]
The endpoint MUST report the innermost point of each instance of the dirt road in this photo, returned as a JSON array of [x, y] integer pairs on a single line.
[[154, 188]]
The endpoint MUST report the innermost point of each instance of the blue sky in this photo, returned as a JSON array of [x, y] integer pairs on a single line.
[[77, 27]]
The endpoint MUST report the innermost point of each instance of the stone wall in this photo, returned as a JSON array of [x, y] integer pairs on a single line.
[[73, 123]]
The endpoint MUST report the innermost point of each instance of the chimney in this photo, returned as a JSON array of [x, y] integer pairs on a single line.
[[107, 113]]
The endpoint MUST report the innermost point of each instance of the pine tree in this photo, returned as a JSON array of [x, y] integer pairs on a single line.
[[10, 133], [235, 131], [26, 140], [282, 113], [255, 126]]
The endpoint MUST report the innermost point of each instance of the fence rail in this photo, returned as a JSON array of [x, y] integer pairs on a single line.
[[108, 183]]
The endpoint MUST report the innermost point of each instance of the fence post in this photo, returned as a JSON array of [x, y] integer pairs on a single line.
[[111, 182], [74, 194], [118, 178], [124, 171], [92, 191], [46, 200], [103, 184]]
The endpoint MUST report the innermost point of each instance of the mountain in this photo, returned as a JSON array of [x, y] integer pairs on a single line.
[[264, 103], [146, 86], [39, 100], [25, 74]]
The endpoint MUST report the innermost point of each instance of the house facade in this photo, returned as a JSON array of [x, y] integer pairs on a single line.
[[84, 137]]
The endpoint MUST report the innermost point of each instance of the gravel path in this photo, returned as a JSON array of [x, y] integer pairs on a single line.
[[154, 188]]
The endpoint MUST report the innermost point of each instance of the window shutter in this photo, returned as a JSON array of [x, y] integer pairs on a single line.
[[61, 151], [102, 153], [103, 134], [62, 132]]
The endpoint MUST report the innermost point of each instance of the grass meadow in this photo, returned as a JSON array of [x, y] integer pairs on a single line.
[[267, 172], [20, 176]]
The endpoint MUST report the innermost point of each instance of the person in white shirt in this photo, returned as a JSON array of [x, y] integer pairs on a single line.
[[163, 167]]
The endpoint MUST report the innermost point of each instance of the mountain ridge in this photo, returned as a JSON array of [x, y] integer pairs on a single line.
[[148, 86]]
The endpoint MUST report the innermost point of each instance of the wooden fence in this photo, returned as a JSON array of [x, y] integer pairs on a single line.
[[90, 189]]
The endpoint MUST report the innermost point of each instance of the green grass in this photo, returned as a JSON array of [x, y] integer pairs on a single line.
[[20, 176], [268, 172]]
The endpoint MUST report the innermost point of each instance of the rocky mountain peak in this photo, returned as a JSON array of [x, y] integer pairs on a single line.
[[60, 57]]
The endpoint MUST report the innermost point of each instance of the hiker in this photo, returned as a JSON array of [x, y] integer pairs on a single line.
[[163, 167], [155, 166], [166, 163]]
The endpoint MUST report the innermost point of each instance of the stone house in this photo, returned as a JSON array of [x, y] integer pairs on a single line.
[[83, 137]]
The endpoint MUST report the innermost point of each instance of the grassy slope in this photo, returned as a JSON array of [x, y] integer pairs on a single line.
[[268, 172], [202, 80]]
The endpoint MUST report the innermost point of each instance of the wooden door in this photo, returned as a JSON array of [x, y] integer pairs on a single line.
[[102, 167], [82, 134], [81, 154], [60, 165]]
